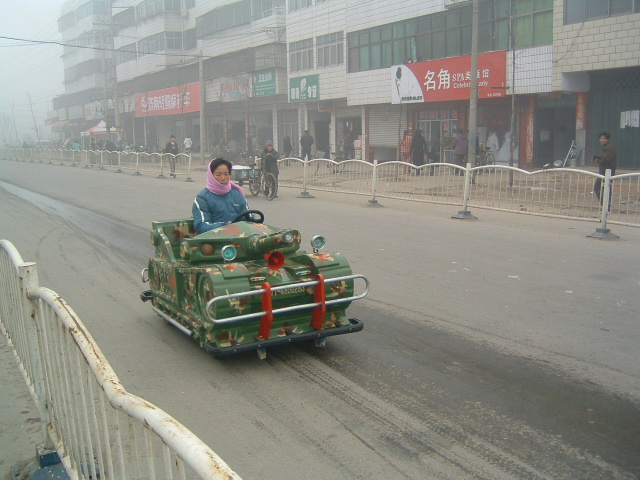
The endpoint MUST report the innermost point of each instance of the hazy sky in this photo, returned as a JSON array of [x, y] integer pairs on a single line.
[[34, 69]]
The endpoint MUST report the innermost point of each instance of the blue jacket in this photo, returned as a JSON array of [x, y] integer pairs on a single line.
[[212, 211]]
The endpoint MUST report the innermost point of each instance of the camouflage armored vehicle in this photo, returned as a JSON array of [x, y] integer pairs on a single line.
[[248, 286]]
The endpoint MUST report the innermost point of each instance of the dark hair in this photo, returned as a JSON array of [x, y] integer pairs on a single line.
[[172, 136], [216, 162], [306, 131], [605, 135]]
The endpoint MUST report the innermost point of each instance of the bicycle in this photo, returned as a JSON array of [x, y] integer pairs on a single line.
[[572, 156], [485, 158], [336, 157], [263, 182]]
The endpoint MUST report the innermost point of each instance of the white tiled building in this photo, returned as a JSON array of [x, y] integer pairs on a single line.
[[269, 68]]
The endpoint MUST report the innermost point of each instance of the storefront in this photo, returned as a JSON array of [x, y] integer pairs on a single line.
[[614, 107], [166, 112], [348, 123], [288, 127], [555, 120], [437, 97]]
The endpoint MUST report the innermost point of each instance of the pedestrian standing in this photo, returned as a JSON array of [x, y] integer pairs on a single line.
[[305, 145], [606, 161], [405, 148], [460, 147], [418, 149], [188, 143], [347, 145], [269, 162], [287, 148], [171, 149]]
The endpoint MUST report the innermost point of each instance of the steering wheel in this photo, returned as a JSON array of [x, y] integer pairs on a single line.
[[247, 216]]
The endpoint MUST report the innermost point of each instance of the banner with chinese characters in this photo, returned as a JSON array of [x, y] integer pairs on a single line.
[[93, 110], [304, 89], [264, 83], [229, 89], [169, 101], [449, 79]]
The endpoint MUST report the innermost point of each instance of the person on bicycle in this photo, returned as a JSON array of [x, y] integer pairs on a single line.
[[270, 158], [221, 202]]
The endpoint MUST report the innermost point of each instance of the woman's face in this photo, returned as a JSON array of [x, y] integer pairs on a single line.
[[222, 175]]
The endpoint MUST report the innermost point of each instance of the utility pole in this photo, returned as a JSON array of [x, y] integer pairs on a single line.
[[473, 98], [15, 128], [513, 91], [112, 76], [35, 124], [203, 127]]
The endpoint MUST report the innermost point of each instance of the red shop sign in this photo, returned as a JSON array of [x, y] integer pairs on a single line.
[[449, 79], [169, 101]]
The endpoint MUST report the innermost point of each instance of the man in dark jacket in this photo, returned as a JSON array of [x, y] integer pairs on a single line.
[[418, 149], [270, 158], [172, 148], [606, 161], [305, 145]]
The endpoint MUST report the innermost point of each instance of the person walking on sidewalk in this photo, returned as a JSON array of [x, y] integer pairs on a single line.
[[606, 161], [270, 158], [305, 145], [460, 148], [418, 149], [172, 148], [405, 148]]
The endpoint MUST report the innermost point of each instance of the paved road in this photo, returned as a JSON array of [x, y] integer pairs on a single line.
[[499, 348]]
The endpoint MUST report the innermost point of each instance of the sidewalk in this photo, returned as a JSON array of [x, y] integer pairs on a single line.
[[20, 430]]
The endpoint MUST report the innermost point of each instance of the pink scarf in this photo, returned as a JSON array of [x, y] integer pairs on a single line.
[[216, 187]]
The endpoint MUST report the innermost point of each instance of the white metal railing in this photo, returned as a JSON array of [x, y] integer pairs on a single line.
[[96, 426], [162, 164], [558, 192]]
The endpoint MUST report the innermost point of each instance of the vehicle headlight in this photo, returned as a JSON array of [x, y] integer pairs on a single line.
[[288, 238], [318, 242], [228, 252], [206, 249]]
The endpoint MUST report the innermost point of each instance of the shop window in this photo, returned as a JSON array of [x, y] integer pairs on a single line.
[[438, 45], [330, 50], [448, 34], [354, 59], [261, 9], [174, 40], [424, 47], [576, 11], [222, 18], [453, 42], [190, 39], [298, 4], [533, 22], [364, 58], [543, 28], [126, 54], [387, 54], [376, 58], [301, 55]]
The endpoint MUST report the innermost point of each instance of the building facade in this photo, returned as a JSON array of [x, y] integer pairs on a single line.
[[247, 71], [87, 71]]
